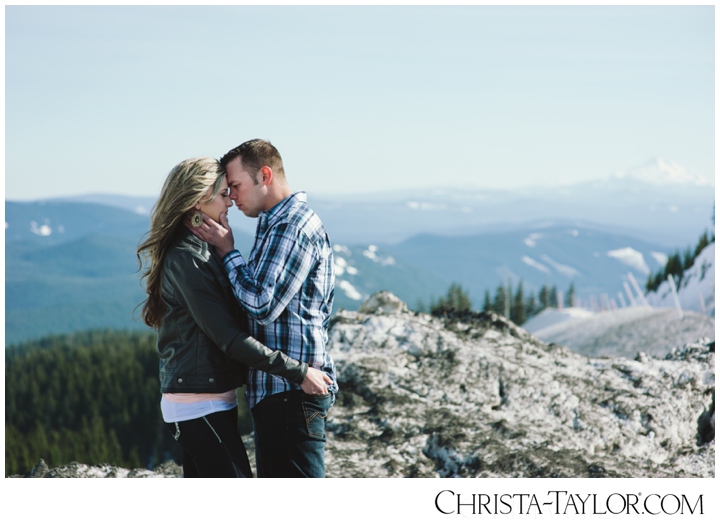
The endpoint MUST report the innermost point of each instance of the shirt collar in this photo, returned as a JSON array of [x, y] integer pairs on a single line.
[[266, 218]]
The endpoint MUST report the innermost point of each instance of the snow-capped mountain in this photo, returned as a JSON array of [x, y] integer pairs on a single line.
[[658, 171], [658, 201]]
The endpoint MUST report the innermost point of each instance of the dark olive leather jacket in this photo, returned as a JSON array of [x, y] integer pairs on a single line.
[[203, 342]]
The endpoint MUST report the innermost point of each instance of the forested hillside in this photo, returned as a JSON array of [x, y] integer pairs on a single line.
[[90, 397]]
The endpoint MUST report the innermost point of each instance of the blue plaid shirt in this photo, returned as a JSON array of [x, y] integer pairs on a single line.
[[287, 287]]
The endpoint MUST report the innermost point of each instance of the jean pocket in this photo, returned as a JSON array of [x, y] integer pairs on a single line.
[[316, 409]]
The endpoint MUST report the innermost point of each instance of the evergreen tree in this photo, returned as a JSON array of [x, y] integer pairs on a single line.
[[518, 313], [456, 299], [553, 297], [544, 297], [530, 305], [487, 302], [673, 266], [570, 296], [420, 306], [688, 259], [703, 242], [500, 300]]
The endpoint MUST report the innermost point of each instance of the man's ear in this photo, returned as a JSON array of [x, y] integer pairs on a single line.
[[267, 175]]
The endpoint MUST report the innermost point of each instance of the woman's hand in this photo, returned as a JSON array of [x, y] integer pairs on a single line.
[[315, 382], [216, 234]]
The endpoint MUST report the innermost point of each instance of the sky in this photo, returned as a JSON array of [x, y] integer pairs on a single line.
[[102, 99]]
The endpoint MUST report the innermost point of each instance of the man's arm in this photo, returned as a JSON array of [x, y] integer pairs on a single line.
[[198, 291], [284, 264]]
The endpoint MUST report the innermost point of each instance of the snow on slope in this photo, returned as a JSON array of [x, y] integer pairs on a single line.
[[654, 330], [622, 332], [696, 290], [549, 317]]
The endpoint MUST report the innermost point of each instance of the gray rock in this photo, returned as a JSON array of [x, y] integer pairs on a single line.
[[473, 395]]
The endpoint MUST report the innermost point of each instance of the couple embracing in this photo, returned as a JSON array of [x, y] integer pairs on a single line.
[[224, 321]]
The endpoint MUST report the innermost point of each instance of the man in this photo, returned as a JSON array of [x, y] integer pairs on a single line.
[[287, 288]]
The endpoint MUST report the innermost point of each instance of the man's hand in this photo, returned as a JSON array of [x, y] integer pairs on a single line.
[[216, 234], [315, 382]]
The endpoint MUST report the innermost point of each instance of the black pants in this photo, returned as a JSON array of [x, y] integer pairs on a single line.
[[212, 446]]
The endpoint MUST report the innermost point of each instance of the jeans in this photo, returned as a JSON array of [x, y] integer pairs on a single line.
[[212, 446], [290, 434]]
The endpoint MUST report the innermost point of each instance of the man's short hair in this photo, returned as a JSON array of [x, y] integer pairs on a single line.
[[255, 154]]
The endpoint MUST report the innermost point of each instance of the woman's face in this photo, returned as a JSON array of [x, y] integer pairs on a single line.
[[219, 205]]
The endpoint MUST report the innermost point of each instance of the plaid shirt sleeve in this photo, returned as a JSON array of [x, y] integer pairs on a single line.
[[284, 264]]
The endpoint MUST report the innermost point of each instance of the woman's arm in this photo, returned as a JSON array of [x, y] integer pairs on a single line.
[[197, 289]]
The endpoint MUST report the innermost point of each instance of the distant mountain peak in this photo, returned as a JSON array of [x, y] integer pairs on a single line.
[[659, 171]]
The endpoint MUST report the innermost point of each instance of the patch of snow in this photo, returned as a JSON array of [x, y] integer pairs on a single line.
[[340, 265], [425, 207], [562, 269], [350, 291], [532, 263], [550, 316], [40, 230], [341, 249], [630, 257], [371, 253], [531, 240], [660, 258], [622, 332]]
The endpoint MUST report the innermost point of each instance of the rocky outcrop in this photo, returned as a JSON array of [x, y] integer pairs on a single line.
[[76, 470], [473, 395]]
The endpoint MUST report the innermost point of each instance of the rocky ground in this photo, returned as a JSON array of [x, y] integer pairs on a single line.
[[76, 470], [473, 395]]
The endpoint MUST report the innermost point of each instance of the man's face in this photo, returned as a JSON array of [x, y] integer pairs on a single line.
[[249, 196]]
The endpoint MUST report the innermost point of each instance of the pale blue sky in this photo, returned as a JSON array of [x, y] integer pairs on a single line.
[[108, 99]]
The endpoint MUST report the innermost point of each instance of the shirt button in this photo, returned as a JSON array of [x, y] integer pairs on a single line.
[[212, 380], [179, 380]]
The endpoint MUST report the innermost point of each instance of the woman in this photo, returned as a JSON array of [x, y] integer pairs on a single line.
[[202, 343]]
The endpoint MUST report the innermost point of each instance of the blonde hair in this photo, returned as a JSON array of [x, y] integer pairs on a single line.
[[186, 185]]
